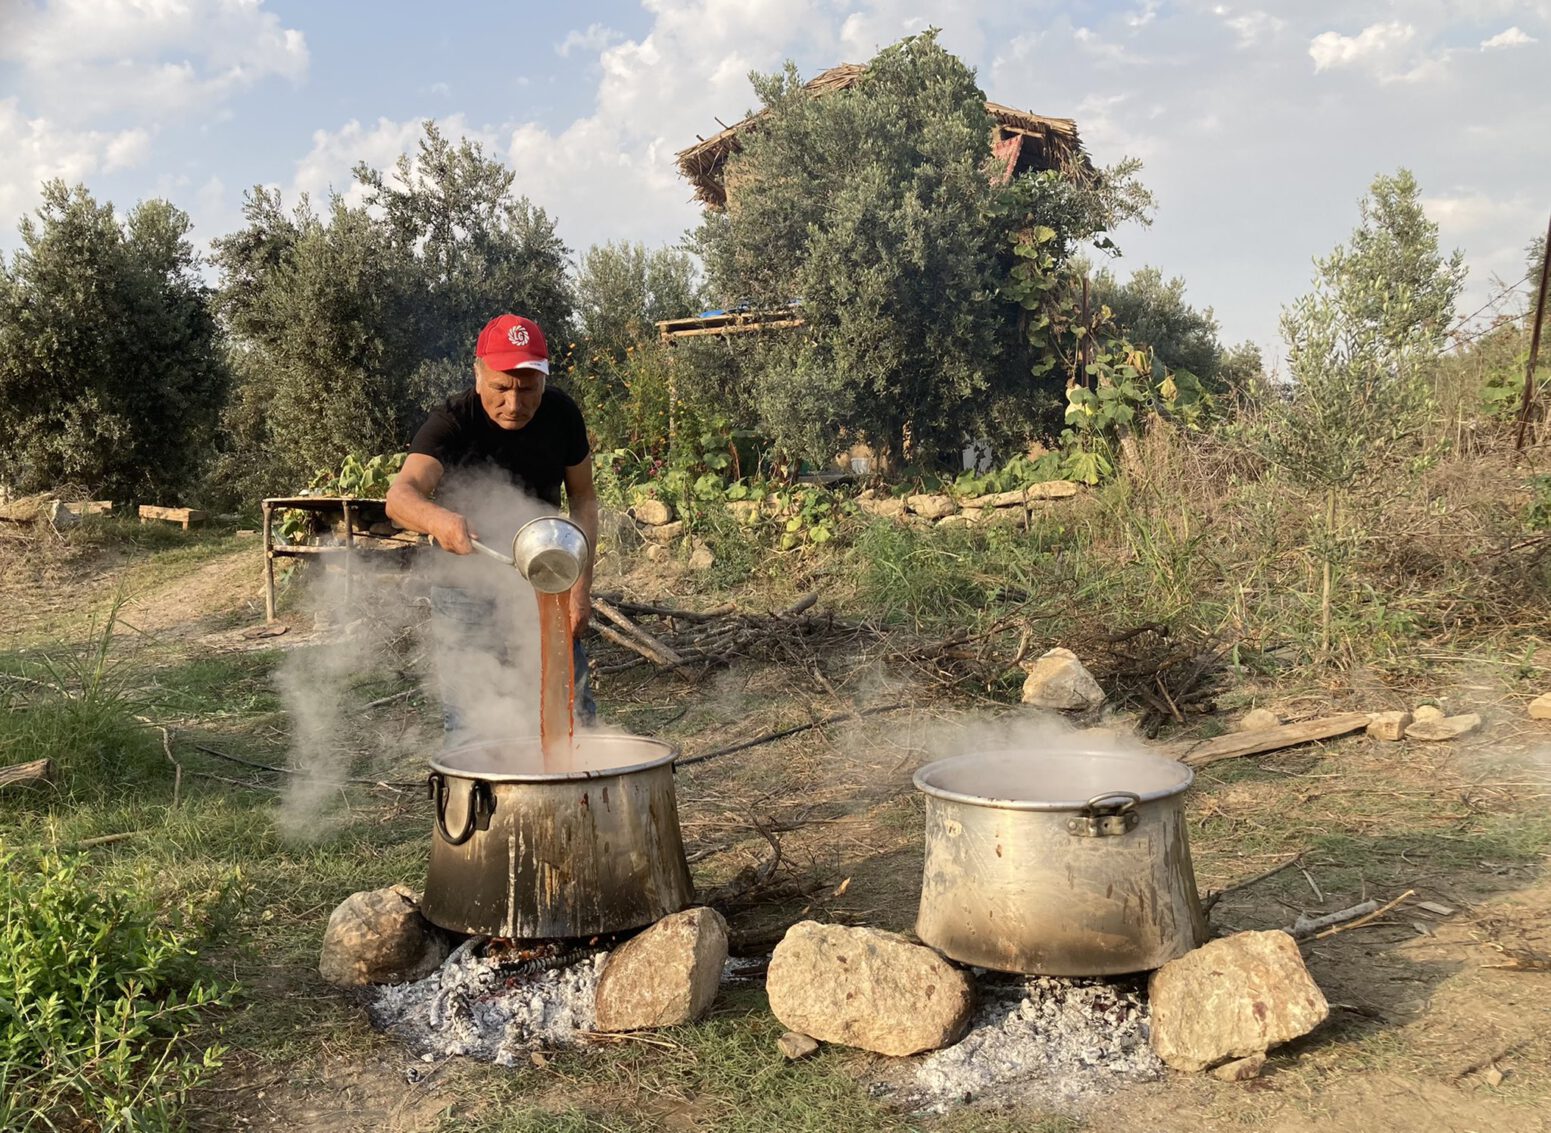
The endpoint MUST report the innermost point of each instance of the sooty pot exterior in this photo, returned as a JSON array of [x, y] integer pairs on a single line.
[[1082, 869], [530, 855]]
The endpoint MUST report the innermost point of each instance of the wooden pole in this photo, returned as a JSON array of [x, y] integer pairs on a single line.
[[1534, 342], [269, 566]]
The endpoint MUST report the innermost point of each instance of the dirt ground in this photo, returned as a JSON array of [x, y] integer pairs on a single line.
[[1438, 1020]]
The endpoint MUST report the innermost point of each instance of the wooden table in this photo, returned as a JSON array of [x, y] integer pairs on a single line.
[[372, 511]]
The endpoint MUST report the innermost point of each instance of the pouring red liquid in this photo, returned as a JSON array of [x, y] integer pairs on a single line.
[[557, 680]]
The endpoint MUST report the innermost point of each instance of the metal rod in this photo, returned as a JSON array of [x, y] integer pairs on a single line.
[[1534, 341], [492, 552]]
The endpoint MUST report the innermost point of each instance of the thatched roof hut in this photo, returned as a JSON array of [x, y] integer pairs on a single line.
[[1023, 141]]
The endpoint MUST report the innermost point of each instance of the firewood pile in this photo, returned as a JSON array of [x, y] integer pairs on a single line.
[[672, 638]]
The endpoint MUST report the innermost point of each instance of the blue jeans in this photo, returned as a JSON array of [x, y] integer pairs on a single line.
[[464, 627]]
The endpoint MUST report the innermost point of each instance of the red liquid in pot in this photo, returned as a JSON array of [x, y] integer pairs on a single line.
[[557, 680]]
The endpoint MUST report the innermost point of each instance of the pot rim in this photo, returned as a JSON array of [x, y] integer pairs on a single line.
[[669, 753], [923, 783]]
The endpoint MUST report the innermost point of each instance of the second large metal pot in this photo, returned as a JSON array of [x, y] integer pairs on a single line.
[[524, 852], [1069, 863]]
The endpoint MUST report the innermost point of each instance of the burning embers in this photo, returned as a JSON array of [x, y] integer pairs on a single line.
[[496, 1000]]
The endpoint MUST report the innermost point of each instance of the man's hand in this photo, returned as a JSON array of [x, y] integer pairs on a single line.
[[581, 607], [454, 535]]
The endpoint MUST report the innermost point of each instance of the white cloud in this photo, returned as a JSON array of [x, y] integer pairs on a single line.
[[1375, 45], [1513, 37], [1250, 27], [80, 58], [595, 39], [37, 149], [327, 166]]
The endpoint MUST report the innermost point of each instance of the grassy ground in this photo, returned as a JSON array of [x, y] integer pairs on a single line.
[[1416, 1002]]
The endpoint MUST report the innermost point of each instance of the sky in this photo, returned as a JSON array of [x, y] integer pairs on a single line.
[[1260, 125]]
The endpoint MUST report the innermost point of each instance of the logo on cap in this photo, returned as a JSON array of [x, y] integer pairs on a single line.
[[517, 335]]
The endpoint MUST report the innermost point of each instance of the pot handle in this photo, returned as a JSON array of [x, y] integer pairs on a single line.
[[1106, 816], [481, 806]]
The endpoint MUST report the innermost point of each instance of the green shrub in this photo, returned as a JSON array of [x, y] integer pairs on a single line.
[[98, 994]]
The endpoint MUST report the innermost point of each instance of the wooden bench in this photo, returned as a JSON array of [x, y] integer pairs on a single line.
[[185, 516]]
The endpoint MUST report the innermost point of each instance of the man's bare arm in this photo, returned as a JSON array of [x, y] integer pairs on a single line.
[[582, 503], [410, 505]]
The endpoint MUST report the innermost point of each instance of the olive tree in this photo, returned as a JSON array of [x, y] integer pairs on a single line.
[[1361, 346], [111, 375], [869, 205], [348, 323]]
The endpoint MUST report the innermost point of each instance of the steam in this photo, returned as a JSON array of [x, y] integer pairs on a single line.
[[486, 669]]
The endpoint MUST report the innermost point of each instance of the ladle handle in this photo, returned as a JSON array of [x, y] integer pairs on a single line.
[[492, 552]]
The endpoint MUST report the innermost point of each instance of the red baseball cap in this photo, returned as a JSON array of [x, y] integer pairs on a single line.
[[511, 342]]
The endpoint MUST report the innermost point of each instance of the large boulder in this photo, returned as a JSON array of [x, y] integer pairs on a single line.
[[665, 976], [931, 506], [1448, 728], [1232, 998], [886, 507], [1389, 726], [866, 988], [1058, 681], [653, 513], [379, 936]]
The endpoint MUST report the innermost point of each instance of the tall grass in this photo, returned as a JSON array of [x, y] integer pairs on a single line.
[[75, 707]]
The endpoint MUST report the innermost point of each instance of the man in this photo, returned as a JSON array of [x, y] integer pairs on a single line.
[[513, 425]]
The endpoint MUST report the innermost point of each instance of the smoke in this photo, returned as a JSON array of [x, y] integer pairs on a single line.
[[477, 651]]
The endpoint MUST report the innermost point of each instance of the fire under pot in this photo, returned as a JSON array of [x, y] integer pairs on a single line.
[[528, 853], [1061, 863]]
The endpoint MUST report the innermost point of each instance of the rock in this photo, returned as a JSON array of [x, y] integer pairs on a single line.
[[61, 517], [665, 976], [1492, 1076], [379, 936], [656, 553], [1428, 712], [1240, 1070], [867, 988], [1050, 490], [1059, 681], [931, 506], [885, 507], [700, 556], [383, 529], [1540, 707], [1257, 718], [796, 1046], [959, 519], [1389, 725], [665, 532], [745, 512], [1232, 998], [653, 513], [1448, 728]]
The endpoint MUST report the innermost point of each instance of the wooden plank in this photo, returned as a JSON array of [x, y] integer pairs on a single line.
[[1263, 740], [740, 328], [182, 515], [91, 507], [36, 771]]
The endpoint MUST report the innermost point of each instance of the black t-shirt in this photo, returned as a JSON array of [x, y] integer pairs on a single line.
[[460, 434]]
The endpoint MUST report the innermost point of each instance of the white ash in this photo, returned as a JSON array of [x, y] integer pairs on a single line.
[[1043, 1039], [469, 1006]]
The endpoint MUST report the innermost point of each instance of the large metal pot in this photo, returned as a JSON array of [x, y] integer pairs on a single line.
[[520, 852], [1069, 863]]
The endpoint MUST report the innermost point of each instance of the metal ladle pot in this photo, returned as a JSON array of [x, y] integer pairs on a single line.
[[550, 552]]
